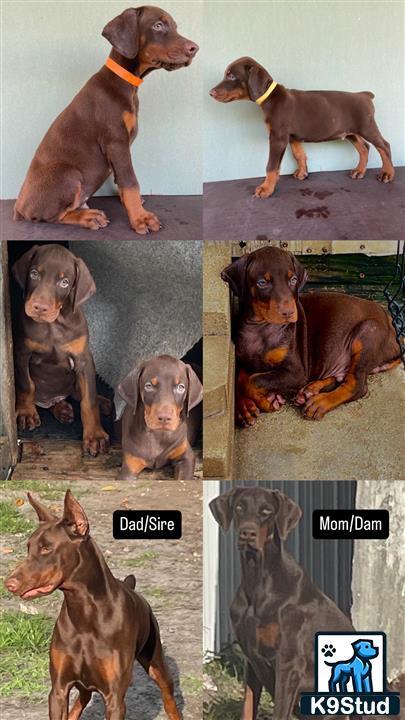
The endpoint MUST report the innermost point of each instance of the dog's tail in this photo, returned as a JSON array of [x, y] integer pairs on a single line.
[[370, 94]]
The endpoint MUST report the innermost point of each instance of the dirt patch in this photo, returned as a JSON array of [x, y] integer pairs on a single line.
[[169, 575]]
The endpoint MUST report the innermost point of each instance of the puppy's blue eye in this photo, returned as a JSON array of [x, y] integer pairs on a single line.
[[262, 283], [34, 274], [148, 386]]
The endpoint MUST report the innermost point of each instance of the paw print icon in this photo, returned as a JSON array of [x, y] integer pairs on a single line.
[[328, 651]]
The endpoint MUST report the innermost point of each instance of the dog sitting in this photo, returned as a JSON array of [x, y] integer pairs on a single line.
[[53, 360], [294, 116], [158, 426]]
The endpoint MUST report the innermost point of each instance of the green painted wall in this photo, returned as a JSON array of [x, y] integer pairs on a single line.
[[316, 45], [50, 49]]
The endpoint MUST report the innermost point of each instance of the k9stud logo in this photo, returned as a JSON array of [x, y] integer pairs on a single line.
[[350, 676]]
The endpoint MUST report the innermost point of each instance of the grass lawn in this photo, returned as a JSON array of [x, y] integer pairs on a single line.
[[24, 643]]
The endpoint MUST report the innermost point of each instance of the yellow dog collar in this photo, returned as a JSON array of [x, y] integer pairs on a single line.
[[268, 92]]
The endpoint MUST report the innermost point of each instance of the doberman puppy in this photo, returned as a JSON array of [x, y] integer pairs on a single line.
[[161, 418], [319, 348], [277, 609], [293, 116], [52, 356], [92, 137], [103, 625]]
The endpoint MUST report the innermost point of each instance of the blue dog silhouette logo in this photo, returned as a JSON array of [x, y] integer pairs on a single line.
[[358, 669], [350, 676]]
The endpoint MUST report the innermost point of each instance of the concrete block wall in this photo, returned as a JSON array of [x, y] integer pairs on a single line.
[[219, 366]]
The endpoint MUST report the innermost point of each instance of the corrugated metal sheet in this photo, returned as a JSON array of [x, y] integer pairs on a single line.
[[328, 562]]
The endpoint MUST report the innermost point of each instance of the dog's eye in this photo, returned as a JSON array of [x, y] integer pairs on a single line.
[[293, 280], [180, 388], [230, 76], [64, 283], [148, 387], [158, 26], [267, 512], [239, 508], [262, 283], [34, 274], [44, 550]]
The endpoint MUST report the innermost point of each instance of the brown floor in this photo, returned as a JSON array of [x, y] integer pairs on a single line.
[[325, 206], [180, 215]]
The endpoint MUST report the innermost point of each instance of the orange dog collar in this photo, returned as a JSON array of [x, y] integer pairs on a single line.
[[122, 73]]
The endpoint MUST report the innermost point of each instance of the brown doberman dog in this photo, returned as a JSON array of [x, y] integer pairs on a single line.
[[161, 418], [92, 137], [277, 609], [319, 347], [293, 116], [52, 356], [103, 625]]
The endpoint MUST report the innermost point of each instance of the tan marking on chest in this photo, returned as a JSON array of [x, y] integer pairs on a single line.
[[76, 346], [178, 451], [269, 635], [129, 121], [35, 346], [276, 355]]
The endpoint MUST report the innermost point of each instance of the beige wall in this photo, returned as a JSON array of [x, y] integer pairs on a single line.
[[305, 44], [50, 49]]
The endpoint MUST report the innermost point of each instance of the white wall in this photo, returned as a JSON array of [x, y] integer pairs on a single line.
[[304, 44], [50, 49]]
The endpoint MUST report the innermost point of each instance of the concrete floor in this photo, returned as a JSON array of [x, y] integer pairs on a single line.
[[363, 440], [180, 216], [325, 206]]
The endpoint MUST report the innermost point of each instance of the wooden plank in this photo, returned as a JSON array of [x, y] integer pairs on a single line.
[[321, 247], [9, 450]]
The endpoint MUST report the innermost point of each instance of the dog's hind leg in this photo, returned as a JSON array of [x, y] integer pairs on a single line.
[[373, 135], [253, 691], [362, 148], [81, 702]]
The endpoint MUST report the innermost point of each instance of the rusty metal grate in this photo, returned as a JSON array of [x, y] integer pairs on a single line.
[[394, 292]]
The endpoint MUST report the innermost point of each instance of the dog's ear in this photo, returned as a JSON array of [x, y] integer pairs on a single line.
[[235, 275], [44, 515], [288, 514], [258, 80], [123, 32], [128, 388], [84, 286], [300, 272], [222, 507], [21, 267], [194, 391], [74, 517]]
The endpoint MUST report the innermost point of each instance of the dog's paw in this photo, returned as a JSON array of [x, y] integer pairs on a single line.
[[328, 650], [145, 222], [300, 174], [357, 174], [27, 418], [385, 177], [94, 219], [276, 401], [263, 191], [246, 411], [96, 442], [317, 406]]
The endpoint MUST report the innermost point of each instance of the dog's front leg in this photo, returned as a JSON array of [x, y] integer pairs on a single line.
[[26, 412], [95, 439], [184, 465], [140, 220], [253, 691], [278, 144], [58, 702]]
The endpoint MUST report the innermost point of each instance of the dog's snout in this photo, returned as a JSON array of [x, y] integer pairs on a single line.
[[40, 307], [213, 93], [191, 48], [165, 414], [248, 534]]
